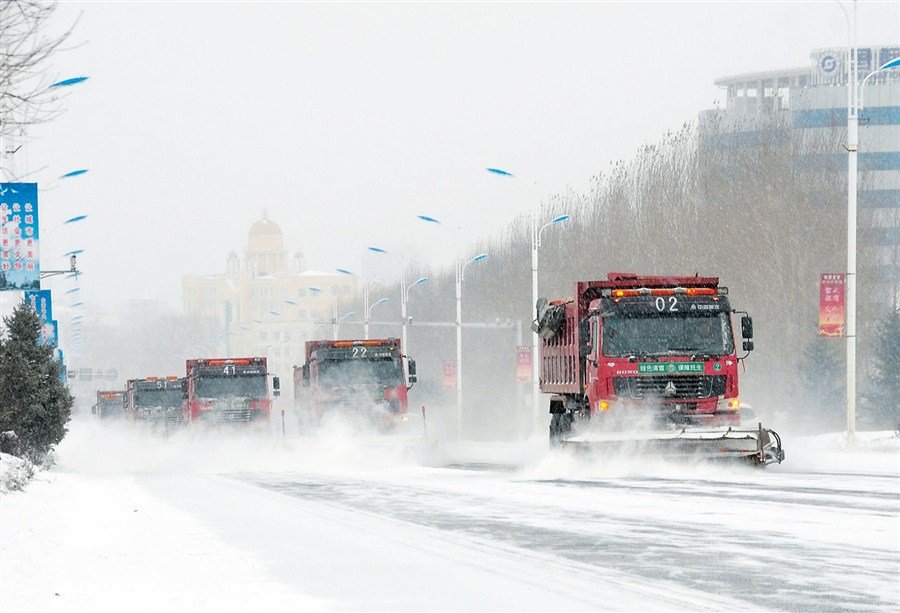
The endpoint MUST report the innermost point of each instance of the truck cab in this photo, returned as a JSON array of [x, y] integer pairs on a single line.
[[657, 349], [154, 399], [370, 377], [110, 404], [228, 390]]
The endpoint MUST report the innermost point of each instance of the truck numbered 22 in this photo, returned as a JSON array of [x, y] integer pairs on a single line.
[[227, 390], [154, 399], [648, 361], [367, 378]]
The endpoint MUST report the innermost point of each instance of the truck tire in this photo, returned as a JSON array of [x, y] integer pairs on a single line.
[[560, 427]]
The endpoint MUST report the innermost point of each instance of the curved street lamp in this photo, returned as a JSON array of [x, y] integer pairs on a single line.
[[536, 233]]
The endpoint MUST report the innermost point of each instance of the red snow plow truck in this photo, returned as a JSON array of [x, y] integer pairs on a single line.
[[227, 390], [648, 362], [369, 378]]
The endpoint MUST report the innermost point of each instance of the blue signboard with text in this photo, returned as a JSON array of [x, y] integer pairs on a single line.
[[50, 333], [39, 299], [19, 240]]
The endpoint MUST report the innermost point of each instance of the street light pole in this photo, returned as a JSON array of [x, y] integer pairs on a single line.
[[852, 152], [404, 300], [535, 246], [460, 277], [369, 314]]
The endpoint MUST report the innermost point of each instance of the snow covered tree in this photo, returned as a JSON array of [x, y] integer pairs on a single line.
[[884, 398], [822, 374], [35, 403]]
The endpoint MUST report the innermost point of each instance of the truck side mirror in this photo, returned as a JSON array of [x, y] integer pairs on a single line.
[[747, 327], [305, 375], [412, 371], [584, 338], [184, 388], [276, 386], [748, 346]]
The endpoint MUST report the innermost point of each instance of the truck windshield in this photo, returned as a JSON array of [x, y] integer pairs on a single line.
[[347, 373], [157, 398], [109, 406], [234, 386], [667, 335]]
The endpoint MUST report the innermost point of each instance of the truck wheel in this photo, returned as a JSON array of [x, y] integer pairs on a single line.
[[560, 427]]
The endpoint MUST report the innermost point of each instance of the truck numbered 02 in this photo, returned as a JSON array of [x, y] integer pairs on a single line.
[[648, 361], [369, 378], [154, 399], [227, 390]]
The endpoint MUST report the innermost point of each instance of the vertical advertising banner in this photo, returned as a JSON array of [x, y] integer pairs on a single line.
[[831, 304], [449, 375], [523, 364], [50, 333], [19, 253], [40, 301]]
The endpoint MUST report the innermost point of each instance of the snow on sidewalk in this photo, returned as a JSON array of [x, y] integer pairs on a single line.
[[71, 543]]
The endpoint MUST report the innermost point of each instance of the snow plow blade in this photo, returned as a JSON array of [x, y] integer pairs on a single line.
[[758, 446]]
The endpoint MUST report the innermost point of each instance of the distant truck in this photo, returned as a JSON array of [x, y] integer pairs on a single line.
[[227, 390], [371, 378], [154, 399], [653, 355], [110, 404]]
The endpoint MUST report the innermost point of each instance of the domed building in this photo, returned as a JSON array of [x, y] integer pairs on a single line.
[[264, 305]]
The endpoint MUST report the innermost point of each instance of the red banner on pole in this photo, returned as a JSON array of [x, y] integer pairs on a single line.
[[449, 375], [831, 304], [523, 364]]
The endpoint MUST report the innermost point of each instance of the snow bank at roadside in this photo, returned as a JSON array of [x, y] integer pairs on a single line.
[[14, 473], [77, 543]]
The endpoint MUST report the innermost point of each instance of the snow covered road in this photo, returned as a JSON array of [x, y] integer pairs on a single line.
[[201, 522], [776, 541]]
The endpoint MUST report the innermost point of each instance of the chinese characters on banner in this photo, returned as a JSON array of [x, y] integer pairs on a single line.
[[449, 375], [831, 304], [19, 253], [40, 301], [523, 364]]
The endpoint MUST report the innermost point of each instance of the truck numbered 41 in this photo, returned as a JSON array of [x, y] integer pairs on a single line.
[[227, 390], [648, 361]]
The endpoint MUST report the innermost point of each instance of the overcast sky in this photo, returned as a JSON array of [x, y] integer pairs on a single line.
[[344, 121]]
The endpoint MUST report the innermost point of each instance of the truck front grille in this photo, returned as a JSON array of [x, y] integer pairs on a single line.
[[685, 386], [242, 414]]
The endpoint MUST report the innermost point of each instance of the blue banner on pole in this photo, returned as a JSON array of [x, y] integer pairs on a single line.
[[40, 301], [19, 237], [50, 333]]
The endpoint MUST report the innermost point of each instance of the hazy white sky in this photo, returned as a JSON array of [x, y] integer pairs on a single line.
[[344, 121]]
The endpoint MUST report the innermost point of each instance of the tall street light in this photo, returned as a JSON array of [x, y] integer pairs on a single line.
[[369, 315], [338, 320], [854, 106], [404, 301], [404, 295], [460, 276], [536, 233]]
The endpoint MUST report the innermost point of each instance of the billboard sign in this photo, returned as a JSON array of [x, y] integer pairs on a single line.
[[831, 304], [449, 375], [40, 301], [828, 64], [19, 239], [523, 364]]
